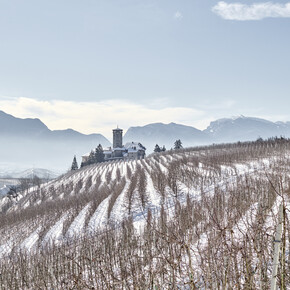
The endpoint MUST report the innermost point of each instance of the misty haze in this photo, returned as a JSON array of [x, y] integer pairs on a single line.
[[144, 144]]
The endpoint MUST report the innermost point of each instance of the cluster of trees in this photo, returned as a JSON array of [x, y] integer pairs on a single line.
[[158, 149], [177, 146], [96, 156]]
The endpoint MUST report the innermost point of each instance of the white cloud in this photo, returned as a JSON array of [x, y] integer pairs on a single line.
[[256, 11], [98, 117], [178, 15]]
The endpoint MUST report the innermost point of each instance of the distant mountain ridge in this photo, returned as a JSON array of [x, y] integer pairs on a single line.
[[30, 143], [245, 128], [222, 130], [30, 173], [166, 134], [11, 125]]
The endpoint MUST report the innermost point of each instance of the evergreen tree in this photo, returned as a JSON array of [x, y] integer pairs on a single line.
[[177, 144], [74, 165], [163, 149], [92, 158], [99, 154], [157, 148], [141, 146]]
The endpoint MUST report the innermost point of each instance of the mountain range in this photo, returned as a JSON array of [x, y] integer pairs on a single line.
[[222, 130], [166, 134], [245, 128], [28, 143]]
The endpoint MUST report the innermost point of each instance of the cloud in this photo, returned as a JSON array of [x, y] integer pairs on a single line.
[[98, 117], [178, 15], [256, 11]]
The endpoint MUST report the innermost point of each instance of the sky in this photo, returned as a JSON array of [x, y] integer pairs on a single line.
[[91, 65]]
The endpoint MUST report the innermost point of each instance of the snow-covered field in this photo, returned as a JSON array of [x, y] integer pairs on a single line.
[[233, 195], [101, 179]]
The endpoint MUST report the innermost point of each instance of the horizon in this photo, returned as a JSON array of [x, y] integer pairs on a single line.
[[91, 65], [108, 133], [195, 195]]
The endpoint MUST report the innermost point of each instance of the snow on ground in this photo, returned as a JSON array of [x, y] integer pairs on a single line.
[[199, 245], [139, 214], [122, 166], [4, 190], [77, 226], [273, 214], [163, 159], [246, 222], [54, 235], [99, 218], [154, 196], [114, 169], [6, 248], [118, 212], [163, 168], [30, 241], [132, 165], [104, 172], [228, 175], [3, 201], [252, 166]]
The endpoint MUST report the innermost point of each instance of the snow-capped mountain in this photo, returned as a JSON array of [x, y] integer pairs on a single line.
[[222, 130], [30, 173], [245, 128]]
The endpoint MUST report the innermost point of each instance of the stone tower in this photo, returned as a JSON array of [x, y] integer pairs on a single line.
[[117, 138]]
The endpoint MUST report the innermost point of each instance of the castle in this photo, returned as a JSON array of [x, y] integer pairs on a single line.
[[131, 150]]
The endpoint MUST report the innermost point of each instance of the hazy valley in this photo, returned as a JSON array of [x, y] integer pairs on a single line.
[[28, 144]]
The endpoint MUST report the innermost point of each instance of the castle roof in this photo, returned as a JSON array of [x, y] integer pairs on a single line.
[[134, 146], [119, 149]]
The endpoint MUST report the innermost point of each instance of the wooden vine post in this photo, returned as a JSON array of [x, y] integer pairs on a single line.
[[277, 246]]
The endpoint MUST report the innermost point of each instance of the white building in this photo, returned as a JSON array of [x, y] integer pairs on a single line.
[[134, 150], [131, 150]]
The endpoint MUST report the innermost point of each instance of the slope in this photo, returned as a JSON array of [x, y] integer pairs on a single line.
[[182, 218]]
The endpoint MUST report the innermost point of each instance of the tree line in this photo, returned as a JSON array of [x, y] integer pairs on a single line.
[[177, 146], [96, 156]]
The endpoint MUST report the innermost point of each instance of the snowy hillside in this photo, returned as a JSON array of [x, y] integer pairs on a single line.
[[30, 173], [202, 217]]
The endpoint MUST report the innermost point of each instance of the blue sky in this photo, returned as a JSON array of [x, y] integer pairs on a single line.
[[92, 64]]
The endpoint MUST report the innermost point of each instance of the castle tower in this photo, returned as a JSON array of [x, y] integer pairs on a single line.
[[117, 138]]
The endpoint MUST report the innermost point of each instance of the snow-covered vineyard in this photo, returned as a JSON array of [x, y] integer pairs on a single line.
[[199, 218]]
